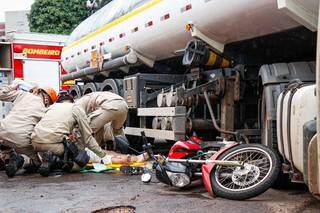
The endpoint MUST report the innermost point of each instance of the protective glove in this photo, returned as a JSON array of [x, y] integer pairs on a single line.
[[107, 159], [16, 83], [93, 157], [22, 85]]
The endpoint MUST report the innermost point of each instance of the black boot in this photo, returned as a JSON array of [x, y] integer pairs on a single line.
[[2, 165], [15, 163], [67, 166], [50, 162], [82, 159], [73, 153], [32, 167], [4, 150]]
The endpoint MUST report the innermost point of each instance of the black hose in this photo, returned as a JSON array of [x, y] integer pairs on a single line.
[[237, 135]]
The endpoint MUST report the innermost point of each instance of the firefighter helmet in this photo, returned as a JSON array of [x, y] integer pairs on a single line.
[[51, 93]]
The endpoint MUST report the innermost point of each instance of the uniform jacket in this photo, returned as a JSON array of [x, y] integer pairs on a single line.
[[59, 121], [26, 112], [95, 100]]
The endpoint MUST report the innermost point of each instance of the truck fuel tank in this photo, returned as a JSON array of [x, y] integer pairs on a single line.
[[295, 107]]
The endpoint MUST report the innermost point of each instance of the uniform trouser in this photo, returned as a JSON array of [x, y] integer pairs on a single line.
[[23, 147], [104, 135], [27, 150], [56, 148], [114, 112]]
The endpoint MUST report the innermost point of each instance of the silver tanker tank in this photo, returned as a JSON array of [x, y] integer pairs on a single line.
[[156, 28]]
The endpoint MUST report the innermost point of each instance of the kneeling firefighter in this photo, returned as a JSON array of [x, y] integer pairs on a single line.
[[106, 111], [50, 137], [16, 128]]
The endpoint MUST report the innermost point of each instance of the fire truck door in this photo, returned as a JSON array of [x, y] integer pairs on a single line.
[[44, 73]]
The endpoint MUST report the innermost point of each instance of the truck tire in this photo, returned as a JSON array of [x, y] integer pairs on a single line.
[[75, 91], [113, 85], [260, 170], [268, 127], [89, 88]]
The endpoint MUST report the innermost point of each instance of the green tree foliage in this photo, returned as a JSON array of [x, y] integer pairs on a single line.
[[57, 16]]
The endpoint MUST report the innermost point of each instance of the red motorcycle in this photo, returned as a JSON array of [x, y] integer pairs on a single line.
[[234, 170], [228, 169]]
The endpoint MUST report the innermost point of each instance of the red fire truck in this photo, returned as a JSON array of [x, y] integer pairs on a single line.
[[33, 57]]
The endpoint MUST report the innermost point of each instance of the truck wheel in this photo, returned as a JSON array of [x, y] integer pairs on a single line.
[[261, 169], [75, 91], [113, 85], [89, 88], [268, 127]]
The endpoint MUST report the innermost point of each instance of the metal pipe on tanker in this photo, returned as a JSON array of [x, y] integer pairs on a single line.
[[129, 59], [198, 124], [79, 74]]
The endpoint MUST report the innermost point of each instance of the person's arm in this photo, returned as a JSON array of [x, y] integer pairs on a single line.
[[86, 132], [9, 93]]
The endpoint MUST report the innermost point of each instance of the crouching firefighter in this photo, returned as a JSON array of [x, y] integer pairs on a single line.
[[16, 128], [104, 108], [51, 137]]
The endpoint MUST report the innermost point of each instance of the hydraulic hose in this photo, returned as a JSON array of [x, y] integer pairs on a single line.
[[237, 135]]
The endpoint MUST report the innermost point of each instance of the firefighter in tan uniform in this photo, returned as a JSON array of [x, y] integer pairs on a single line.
[[16, 128], [57, 124], [51, 133], [103, 108]]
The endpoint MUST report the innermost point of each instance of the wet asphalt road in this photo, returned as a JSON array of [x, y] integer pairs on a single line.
[[89, 192]]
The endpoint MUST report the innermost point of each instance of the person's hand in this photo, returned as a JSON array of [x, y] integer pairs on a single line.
[[16, 83]]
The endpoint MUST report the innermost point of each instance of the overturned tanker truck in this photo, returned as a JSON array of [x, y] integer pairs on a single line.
[[162, 56]]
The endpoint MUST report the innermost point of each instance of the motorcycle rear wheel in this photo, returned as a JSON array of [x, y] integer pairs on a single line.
[[260, 171]]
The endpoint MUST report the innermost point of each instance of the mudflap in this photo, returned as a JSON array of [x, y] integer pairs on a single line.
[[207, 169], [313, 167]]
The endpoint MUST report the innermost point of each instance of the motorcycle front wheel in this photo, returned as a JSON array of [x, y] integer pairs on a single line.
[[259, 172]]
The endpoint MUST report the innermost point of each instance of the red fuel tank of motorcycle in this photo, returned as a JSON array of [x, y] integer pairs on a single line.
[[195, 139], [184, 149]]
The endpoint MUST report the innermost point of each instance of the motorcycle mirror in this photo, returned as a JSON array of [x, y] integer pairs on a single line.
[[146, 177]]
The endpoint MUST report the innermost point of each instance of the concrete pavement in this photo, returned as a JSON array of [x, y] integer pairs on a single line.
[[89, 192]]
